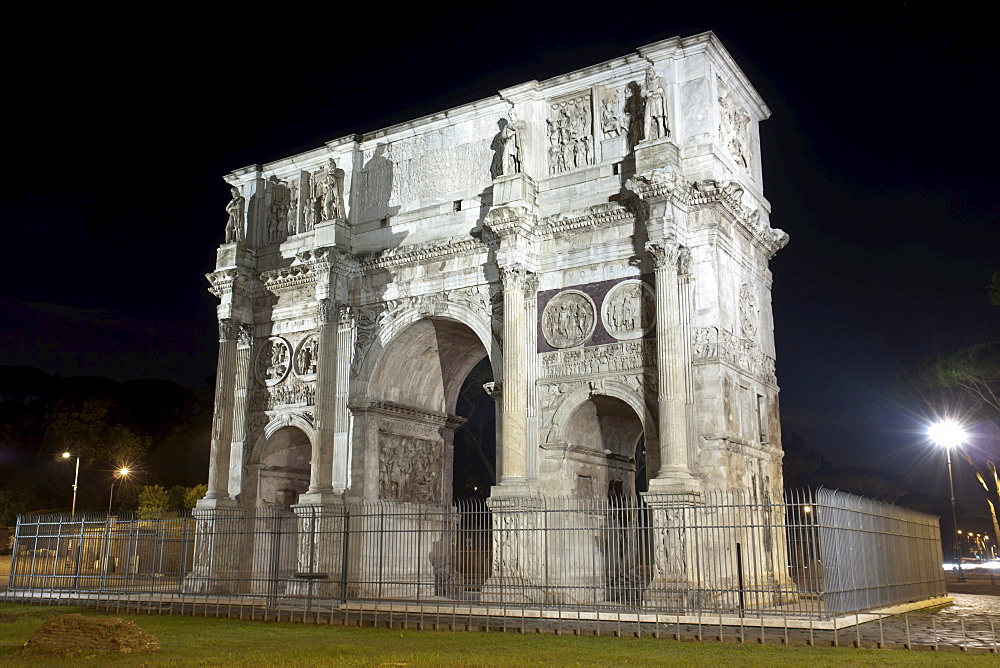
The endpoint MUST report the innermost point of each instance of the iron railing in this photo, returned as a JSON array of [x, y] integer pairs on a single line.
[[815, 555]]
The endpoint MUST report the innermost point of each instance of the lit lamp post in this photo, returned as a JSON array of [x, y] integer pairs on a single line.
[[76, 479], [949, 434], [121, 473]]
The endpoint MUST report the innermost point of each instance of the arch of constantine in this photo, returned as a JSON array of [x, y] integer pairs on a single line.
[[601, 238]]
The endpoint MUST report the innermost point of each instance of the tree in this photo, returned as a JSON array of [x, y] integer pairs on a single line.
[[154, 502], [193, 494], [96, 429], [973, 371]]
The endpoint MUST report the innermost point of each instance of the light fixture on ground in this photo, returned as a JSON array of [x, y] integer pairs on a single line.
[[949, 434]]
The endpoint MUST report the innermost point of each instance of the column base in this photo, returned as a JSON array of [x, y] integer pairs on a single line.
[[218, 535], [672, 482]]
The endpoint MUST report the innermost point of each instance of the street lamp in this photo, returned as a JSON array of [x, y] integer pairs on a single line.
[[120, 473], [76, 479], [949, 434]]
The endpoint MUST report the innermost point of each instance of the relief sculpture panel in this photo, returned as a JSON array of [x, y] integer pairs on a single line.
[[628, 311], [569, 319], [409, 468], [273, 361]]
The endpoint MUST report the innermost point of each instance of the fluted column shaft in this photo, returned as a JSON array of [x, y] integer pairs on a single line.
[[515, 373], [671, 394], [237, 452], [321, 469], [222, 419], [341, 442]]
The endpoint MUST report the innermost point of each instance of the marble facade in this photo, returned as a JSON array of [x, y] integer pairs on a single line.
[[602, 237]]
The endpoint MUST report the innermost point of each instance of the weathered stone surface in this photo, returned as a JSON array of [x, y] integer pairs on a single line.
[[78, 635], [601, 237]]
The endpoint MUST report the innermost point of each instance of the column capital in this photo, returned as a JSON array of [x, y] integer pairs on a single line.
[[665, 253], [229, 329], [514, 276], [345, 315], [327, 311], [245, 336]]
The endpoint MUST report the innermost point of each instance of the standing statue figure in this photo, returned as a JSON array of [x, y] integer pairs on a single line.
[[654, 92], [332, 200], [510, 146], [234, 226]]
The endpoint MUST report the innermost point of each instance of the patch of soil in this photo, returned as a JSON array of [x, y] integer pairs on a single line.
[[76, 635]]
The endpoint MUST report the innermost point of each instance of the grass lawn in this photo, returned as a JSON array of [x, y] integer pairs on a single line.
[[188, 641]]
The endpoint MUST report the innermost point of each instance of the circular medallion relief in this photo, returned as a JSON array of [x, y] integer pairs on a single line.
[[628, 311], [273, 361], [306, 357], [568, 319], [748, 311]]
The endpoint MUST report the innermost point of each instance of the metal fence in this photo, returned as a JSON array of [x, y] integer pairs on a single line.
[[815, 555]]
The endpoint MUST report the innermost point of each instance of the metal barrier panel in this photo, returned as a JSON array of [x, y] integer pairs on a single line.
[[813, 554]]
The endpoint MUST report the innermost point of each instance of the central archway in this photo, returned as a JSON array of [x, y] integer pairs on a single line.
[[408, 418]]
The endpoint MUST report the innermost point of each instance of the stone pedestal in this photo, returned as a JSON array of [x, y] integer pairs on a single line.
[[515, 189], [322, 529], [517, 574], [675, 584], [656, 154], [217, 548], [401, 550]]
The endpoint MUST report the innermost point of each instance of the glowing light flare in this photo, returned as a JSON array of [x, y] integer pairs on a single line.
[[946, 433]]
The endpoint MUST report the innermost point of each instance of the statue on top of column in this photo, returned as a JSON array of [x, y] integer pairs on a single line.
[[654, 92], [508, 145], [333, 200], [235, 209]]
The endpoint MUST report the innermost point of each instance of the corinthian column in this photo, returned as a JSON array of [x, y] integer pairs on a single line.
[[674, 475], [515, 374], [321, 469], [222, 419], [241, 384]]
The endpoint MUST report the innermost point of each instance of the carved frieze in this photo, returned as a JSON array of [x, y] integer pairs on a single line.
[[610, 358], [297, 394], [367, 318], [549, 397], [410, 468], [417, 168], [614, 114], [712, 344], [569, 319], [734, 127], [629, 310], [748, 311], [307, 357], [277, 199], [570, 129], [273, 361]]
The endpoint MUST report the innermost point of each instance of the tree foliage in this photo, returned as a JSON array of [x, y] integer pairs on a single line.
[[95, 429], [974, 372]]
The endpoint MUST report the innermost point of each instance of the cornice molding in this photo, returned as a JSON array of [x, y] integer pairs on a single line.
[[391, 409], [425, 252], [601, 215]]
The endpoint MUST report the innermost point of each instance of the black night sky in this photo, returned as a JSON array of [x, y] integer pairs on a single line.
[[879, 161]]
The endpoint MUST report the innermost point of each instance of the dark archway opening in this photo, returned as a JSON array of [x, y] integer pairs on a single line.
[[475, 442]]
